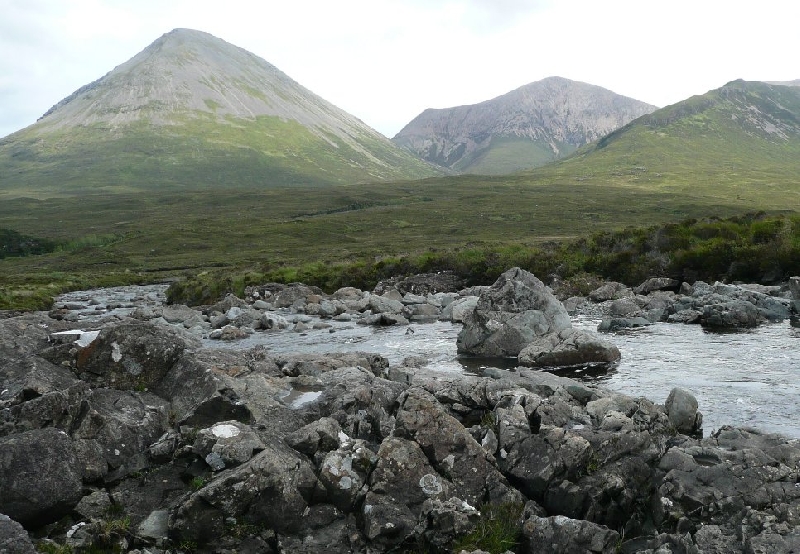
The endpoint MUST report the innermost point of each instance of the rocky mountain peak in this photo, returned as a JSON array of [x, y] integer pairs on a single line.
[[549, 118], [191, 71]]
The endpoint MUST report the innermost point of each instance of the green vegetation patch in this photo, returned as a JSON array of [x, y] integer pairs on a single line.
[[16, 244], [499, 530]]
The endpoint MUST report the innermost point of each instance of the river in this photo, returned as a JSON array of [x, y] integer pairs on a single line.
[[749, 378]]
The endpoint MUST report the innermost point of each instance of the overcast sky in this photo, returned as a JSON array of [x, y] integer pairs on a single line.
[[385, 61]]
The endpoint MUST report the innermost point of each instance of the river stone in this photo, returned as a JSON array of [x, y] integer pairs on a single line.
[[295, 293], [657, 283], [514, 311], [566, 348], [681, 407], [40, 476], [384, 305], [733, 314], [624, 307], [610, 291], [616, 323], [461, 307]]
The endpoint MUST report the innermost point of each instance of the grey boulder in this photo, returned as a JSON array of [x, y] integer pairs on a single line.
[[514, 311], [40, 476]]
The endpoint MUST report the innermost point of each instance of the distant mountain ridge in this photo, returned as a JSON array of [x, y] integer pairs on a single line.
[[525, 128], [193, 109]]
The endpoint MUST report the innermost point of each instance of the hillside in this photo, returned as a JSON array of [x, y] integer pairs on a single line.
[[741, 140], [191, 110], [525, 128]]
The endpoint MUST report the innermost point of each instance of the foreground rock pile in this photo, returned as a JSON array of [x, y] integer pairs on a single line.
[[143, 441]]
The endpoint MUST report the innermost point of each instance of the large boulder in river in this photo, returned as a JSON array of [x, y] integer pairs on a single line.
[[568, 348], [733, 314], [513, 312]]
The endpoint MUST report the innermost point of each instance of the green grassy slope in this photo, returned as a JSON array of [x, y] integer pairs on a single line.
[[194, 152], [742, 140]]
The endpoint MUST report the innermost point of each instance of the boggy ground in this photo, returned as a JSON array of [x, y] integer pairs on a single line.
[[144, 441]]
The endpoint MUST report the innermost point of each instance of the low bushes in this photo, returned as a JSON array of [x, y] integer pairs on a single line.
[[753, 248]]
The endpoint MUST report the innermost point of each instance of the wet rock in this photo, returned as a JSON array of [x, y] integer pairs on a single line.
[[685, 316], [618, 323], [567, 348], [422, 313], [155, 526], [573, 304], [294, 293], [727, 306], [230, 301], [229, 333], [451, 449], [540, 460], [94, 505], [384, 305], [343, 472], [326, 529], [681, 407], [625, 307], [40, 476], [743, 482], [383, 319], [442, 521], [733, 314], [271, 320], [321, 435], [25, 377], [457, 310]]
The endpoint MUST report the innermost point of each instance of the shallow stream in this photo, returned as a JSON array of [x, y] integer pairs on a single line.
[[749, 378]]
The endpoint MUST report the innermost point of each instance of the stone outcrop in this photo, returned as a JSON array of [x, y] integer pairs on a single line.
[[518, 316]]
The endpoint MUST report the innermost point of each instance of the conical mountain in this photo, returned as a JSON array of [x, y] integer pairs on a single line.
[[194, 110], [525, 128]]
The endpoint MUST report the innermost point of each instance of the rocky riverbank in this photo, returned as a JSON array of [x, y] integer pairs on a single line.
[[130, 435]]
